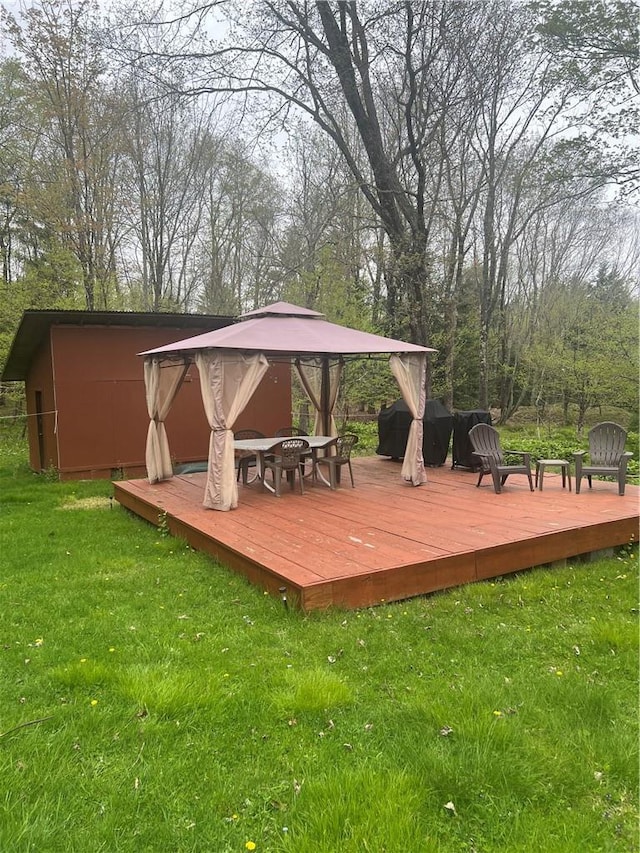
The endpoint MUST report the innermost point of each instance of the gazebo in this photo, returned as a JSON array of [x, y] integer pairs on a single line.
[[231, 362]]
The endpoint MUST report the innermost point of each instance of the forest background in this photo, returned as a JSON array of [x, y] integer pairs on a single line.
[[464, 175]]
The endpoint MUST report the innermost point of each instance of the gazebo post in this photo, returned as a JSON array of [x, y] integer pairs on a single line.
[[324, 397]]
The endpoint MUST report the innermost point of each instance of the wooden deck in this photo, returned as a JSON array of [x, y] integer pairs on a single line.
[[386, 540]]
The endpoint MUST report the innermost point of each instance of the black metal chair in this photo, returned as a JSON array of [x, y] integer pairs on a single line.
[[485, 441], [244, 458], [287, 457], [338, 454], [607, 455]]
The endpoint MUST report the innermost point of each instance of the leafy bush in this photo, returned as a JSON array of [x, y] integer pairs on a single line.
[[13, 444], [633, 444], [554, 447], [367, 433], [560, 444]]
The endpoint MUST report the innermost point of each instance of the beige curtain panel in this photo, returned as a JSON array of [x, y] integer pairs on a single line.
[[410, 371], [228, 380], [310, 374], [161, 382]]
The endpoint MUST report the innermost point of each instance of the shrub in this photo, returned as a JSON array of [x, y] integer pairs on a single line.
[[367, 433]]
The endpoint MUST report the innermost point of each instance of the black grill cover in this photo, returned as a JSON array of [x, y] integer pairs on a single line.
[[393, 431], [462, 450]]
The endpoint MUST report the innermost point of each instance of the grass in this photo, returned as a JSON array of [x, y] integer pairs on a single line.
[[152, 700]]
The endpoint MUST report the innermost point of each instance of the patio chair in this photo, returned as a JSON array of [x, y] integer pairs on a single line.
[[338, 454], [245, 459], [607, 456], [485, 441], [287, 457], [287, 432]]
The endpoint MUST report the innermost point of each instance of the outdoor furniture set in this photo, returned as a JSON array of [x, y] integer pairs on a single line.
[[607, 458], [289, 454], [289, 451]]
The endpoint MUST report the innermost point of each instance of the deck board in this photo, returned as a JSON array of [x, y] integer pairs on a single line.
[[386, 540]]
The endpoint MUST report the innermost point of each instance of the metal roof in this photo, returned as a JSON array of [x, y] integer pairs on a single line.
[[34, 328]]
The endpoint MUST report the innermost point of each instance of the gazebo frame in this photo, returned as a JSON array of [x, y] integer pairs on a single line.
[[232, 361]]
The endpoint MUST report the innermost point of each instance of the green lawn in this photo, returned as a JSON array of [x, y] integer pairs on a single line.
[[153, 701]]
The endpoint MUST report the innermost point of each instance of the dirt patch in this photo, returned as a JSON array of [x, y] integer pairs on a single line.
[[98, 502]]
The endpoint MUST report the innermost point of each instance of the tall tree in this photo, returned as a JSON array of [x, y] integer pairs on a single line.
[[399, 87], [596, 43], [237, 247], [13, 151], [329, 62], [167, 160], [328, 226], [583, 332], [58, 44]]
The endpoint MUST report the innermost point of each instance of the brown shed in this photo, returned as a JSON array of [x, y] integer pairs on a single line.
[[85, 391]]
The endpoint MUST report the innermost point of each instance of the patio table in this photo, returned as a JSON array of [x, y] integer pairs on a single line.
[[263, 446], [564, 466]]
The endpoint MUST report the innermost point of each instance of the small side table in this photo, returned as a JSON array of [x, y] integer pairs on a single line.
[[558, 463]]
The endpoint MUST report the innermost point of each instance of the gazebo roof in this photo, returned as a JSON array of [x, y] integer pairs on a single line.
[[286, 329]]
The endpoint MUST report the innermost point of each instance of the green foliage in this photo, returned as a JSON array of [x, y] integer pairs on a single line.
[[633, 443], [367, 432], [13, 445], [548, 447], [466, 371], [53, 280], [599, 39], [331, 289], [585, 349], [366, 386], [558, 444]]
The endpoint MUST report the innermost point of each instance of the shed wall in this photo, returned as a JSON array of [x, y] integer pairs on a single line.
[[96, 379], [41, 407]]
